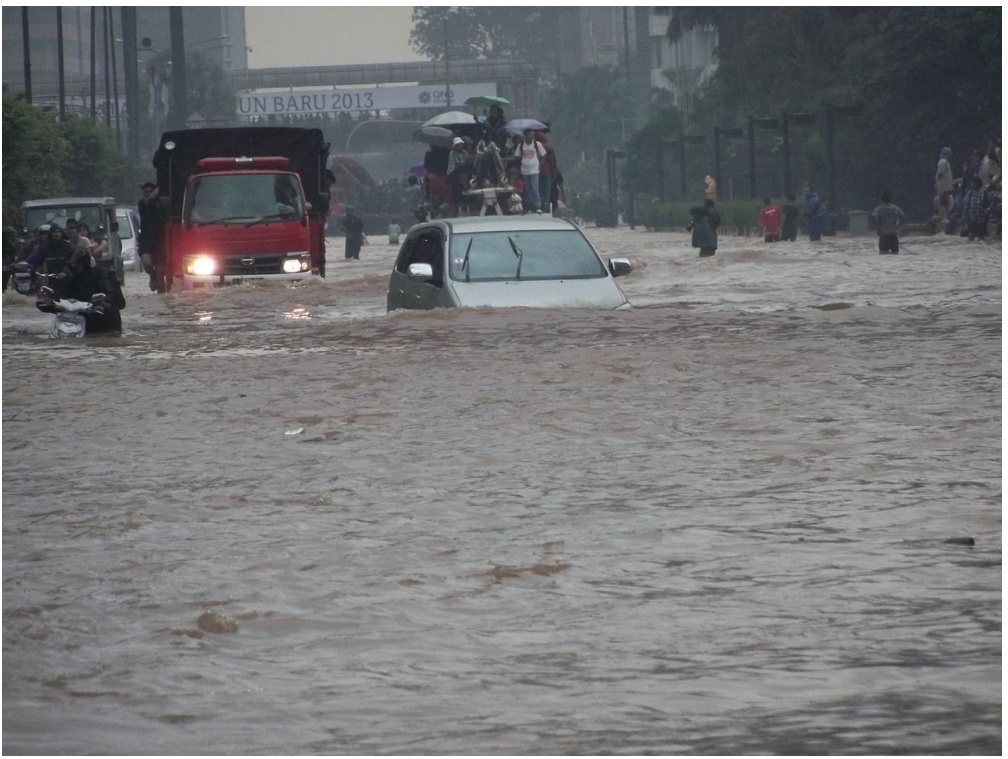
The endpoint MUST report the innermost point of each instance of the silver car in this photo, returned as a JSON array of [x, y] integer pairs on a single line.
[[129, 228], [503, 261]]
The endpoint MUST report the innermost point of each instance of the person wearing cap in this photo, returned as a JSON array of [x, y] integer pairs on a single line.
[[150, 240], [82, 281], [34, 252], [458, 160], [353, 227]]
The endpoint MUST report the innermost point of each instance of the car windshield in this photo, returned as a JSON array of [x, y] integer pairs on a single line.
[[90, 215], [125, 230], [488, 256], [244, 198]]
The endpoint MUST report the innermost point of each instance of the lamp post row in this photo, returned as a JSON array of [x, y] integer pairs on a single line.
[[783, 123]]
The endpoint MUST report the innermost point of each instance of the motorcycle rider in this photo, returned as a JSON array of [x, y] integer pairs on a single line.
[[54, 253], [83, 281]]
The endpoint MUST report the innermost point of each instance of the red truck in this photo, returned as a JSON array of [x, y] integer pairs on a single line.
[[245, 203]]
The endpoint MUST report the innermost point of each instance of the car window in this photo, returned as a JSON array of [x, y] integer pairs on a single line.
[[560, 254], [90, 215], [424, 248], [125, 230]]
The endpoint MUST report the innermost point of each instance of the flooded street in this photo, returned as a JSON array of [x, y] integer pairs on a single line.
[[276, 520]]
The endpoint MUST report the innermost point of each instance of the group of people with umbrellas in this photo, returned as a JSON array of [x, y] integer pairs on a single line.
[[479, 163]]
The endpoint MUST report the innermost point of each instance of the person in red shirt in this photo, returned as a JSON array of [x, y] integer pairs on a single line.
[[770, 221]]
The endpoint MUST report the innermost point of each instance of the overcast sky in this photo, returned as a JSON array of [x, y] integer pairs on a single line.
[[328, 35]]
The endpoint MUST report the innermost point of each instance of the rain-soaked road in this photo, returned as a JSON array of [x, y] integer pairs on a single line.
[[276, 520]]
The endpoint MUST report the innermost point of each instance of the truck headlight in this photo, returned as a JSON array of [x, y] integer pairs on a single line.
[[295, 263], [201, 266]]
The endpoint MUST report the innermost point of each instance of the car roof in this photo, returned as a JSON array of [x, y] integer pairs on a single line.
[[54, 202], [527, 223]]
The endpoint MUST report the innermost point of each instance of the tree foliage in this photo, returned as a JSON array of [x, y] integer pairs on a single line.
[[93, 166], [208, 90], [33, 157], [926, 77], [44, 158], [527, 33]]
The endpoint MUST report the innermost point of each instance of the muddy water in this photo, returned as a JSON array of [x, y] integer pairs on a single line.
[[277, 520]]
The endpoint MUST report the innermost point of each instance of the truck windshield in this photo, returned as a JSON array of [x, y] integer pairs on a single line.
[[90, 215], [244, 197]]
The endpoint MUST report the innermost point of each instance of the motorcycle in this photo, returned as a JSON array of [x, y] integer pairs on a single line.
[[69, 314], [22, 279]]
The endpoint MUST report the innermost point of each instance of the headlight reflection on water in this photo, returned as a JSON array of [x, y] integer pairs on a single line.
[[204, 317], [298, 314]]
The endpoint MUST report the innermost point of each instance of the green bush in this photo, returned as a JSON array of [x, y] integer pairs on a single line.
[[594, 208], [734, 213]]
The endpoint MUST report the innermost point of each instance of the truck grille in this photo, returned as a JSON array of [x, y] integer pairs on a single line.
[[235, 266]]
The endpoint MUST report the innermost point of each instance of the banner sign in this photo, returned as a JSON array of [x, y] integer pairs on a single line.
[[355, 99]]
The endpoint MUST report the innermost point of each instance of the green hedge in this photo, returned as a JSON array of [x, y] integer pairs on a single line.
[[734, 213]]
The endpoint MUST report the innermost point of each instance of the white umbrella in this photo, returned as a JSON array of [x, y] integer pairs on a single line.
[[451, 119]]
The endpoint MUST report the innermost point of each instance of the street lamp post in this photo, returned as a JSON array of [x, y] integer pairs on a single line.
[[720, 132], [684, 139], [832, 111], [611, 156], [753, 123], [786, 120]]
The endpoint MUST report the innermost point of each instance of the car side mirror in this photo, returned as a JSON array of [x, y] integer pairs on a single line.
[[620, 266], [420, 271], [308, 207]]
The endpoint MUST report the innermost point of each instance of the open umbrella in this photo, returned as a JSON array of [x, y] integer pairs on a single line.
[[417, 171], [451, 119], [485, 101], [435, 136], [517, 126]]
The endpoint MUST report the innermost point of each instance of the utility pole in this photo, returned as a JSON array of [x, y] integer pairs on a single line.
[[179, 107], [60, 69], [25, 37], [105, 46], [115, 80], [94, 39], [128, 20], [447, 78]]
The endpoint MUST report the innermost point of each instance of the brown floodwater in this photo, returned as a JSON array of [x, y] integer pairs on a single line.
[[277, 520]]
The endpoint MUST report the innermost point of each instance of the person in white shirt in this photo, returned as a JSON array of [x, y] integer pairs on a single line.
[[530, 151]]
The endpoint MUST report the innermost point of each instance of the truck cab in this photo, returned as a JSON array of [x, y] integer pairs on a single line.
[[246, 203], [98, 213], [244, 218]]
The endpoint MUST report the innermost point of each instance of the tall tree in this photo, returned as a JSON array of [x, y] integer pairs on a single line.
[[33, 157], [527, 33]]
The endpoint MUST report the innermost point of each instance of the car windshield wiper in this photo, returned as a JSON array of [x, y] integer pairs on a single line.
[[271, 217], [518, 254], [220, 221], [465, 260]]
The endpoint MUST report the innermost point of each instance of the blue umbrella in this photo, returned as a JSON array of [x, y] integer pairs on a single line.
[[517, 126]]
